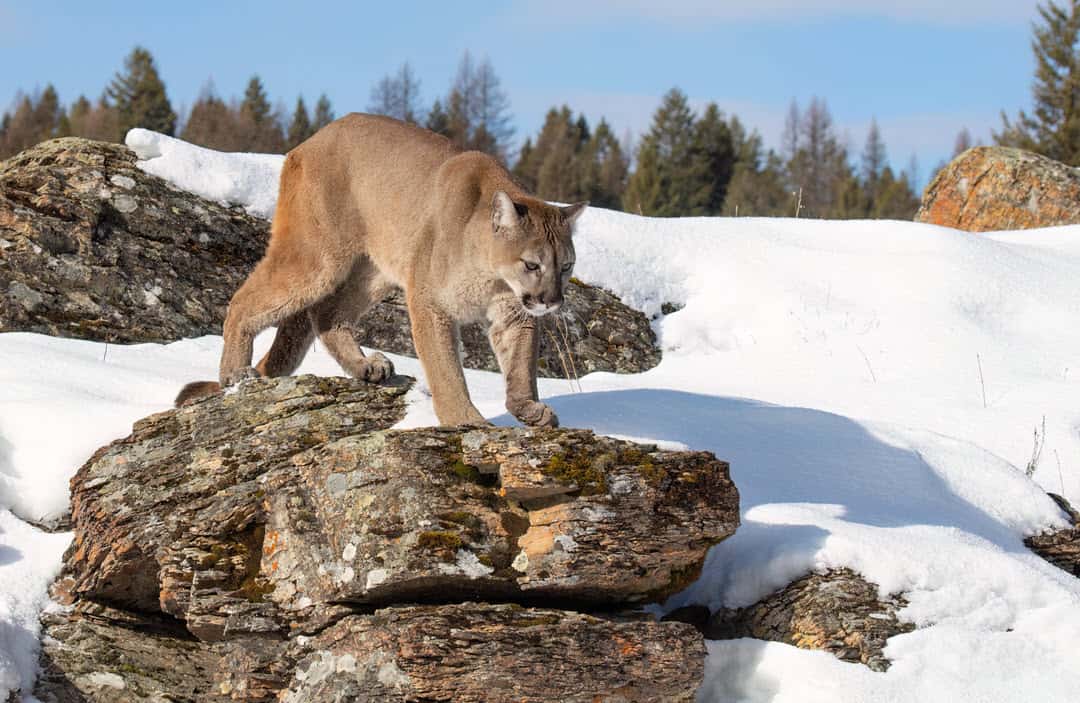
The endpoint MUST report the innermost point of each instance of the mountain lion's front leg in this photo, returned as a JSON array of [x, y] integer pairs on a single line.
[[435, 336], [515, 338]]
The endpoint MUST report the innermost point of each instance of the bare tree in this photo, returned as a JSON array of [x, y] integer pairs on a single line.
[[398, 96]]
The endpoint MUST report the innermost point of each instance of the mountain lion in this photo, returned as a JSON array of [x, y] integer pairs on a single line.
[[370, 203]]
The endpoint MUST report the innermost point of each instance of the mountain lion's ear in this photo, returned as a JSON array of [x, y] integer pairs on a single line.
[[572, 212], [505, 213]]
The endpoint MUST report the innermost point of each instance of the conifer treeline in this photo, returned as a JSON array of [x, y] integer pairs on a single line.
[[686, 164]]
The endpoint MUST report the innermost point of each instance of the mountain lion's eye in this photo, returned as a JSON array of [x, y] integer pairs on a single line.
[[530, 266], [566, 267]]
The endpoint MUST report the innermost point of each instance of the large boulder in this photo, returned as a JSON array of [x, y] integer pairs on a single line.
[[92, 247], [285, 536], [998, 188]]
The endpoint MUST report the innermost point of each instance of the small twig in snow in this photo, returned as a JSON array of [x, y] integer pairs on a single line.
[[1036, 451], [868, 366], [982, 383], [1061, 479]]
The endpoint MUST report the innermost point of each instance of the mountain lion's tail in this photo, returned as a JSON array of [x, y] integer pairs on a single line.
[[195, 390]]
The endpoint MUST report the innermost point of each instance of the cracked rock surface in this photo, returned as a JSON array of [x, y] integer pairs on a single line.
[[93, 248], [282, 544], [990, 188], [837, 611]]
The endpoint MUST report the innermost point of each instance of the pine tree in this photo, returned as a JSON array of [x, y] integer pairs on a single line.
[[522, 170], [559, 175], [397, 96], [874, 156], [437, 119], [1053, 129], [664, 183], [35, 119], [645, 191], [256, 106], [213, 124], [458, 125], [324, 114], [604, 167], [757, 183], [260, 126], [19, 130], [894, 199], [300, 127], [527, 168], [47, 114], [138, 95], [713, 155]]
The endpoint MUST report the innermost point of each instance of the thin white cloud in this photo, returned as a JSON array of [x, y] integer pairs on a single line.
[[952, 12]]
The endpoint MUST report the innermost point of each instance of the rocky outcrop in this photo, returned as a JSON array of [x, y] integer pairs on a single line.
[[594, 331], [837, 611], [998, 188], [1061, 547], [92, 247], [283, 544]]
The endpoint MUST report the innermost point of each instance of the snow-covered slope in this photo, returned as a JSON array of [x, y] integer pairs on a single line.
[[875, 386]]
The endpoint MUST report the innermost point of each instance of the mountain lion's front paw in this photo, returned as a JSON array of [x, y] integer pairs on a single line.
[[377, 368], [241, 374], [535, 414]]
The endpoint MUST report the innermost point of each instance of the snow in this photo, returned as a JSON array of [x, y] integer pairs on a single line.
[[841, 367], [250, 180]]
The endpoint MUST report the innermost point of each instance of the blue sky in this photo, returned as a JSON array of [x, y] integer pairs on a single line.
[[923, 68]]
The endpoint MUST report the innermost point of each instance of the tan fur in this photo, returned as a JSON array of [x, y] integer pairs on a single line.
[[369, 204]]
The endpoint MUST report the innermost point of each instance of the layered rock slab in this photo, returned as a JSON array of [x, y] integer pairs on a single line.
[[93, 248], [260, 520]]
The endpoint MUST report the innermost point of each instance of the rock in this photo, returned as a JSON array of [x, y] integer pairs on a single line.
[[1062, 547], [594, 331], [264, 525], [999, 188], [94, 248], [97, 653], [462, 652], [281, 495], [474, 653], [837, 611]]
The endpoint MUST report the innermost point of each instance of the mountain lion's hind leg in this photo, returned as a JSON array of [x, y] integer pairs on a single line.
[[334, 317], [515, 339], [291, 343]]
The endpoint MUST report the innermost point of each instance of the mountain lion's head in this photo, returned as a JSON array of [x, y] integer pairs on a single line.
[[533, 249]]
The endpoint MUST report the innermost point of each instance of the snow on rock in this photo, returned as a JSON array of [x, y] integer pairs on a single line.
[[249, 180], [876, 387]]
